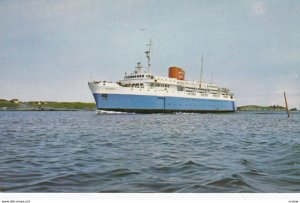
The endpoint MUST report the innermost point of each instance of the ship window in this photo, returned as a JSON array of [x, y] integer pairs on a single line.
[[104, 96]]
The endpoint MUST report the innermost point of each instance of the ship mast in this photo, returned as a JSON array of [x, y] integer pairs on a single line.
[[148, 55], [201, 72]]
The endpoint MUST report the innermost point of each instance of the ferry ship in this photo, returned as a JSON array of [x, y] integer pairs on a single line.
[[143, 92]]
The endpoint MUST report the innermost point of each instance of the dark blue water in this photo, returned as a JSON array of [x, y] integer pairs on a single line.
[[88, 152]]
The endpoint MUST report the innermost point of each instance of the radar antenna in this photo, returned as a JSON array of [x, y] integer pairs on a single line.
[[148, 55]]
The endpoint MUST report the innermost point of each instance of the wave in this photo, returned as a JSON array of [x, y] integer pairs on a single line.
[[184, 113], [67, 182], [236, 183], [110, 112], [194, 165]]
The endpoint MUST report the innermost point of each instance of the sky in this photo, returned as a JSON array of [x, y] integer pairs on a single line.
[[49, 50]]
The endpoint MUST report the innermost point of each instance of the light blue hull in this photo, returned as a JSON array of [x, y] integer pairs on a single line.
[[157, 104]]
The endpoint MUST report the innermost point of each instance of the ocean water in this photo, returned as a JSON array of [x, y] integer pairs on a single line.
[[201, 153]]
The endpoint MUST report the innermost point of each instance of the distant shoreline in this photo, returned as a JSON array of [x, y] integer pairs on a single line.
[[263, 108], [46, 106]]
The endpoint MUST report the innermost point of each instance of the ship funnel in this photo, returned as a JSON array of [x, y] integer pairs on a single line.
[[176, 72]]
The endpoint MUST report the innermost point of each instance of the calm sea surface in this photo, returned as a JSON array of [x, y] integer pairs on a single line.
[[89, 152]]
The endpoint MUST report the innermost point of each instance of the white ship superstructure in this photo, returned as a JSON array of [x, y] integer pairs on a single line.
[[144, 92]]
